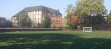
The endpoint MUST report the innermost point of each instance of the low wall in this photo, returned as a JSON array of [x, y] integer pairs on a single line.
[[28, 29]]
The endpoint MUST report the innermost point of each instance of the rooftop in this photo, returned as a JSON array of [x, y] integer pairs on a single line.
[[41, 8]]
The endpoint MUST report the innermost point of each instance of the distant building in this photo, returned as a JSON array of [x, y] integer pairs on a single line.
[[37, 13], [57, 22]]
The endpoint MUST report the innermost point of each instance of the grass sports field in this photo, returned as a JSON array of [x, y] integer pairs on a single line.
[[55, 40]]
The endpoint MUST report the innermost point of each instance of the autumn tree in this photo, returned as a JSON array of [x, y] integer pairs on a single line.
[[70, 11]]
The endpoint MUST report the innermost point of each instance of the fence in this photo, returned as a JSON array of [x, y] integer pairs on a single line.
[[28, 29]]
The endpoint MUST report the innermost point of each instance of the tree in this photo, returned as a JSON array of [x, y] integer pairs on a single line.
[[47, 21], [5, 23], [23, 19], [70, 18], [110, 13], [88, 7], [25, 22], [85, 8], [69, 14], [69, 9], [109, 17], [109, 20], [2, 19]]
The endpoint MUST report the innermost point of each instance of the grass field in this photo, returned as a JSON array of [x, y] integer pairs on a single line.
[[55, 40]]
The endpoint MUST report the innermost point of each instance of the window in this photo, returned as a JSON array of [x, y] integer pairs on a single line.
[[52, 20], [63, 20], [36, 21], [36, 16], [53, 16], [36, 12], [56, 20], [59, 20], [15, 17], [29, 12], [40, 12], [39, 16], [43, 16], [33, 12]]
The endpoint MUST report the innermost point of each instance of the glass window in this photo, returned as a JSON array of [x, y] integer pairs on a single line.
[[43, 16], [63, 20], [33, 12], [59, 20], [36, 12], [56, 20], [52, 20]]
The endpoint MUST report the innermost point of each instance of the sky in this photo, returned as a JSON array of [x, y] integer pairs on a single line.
[[8, 8]]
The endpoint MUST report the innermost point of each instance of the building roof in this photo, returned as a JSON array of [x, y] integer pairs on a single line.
[[34, 8], [41, 8]]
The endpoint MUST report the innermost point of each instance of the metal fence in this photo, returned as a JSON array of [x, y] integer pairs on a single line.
[[28, 29]]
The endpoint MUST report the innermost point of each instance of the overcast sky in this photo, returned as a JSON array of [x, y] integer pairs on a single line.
[[8, 8]]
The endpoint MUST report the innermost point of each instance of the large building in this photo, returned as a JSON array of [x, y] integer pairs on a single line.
[[37, 13]]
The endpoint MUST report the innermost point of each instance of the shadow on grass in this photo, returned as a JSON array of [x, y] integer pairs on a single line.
[[51, 41]]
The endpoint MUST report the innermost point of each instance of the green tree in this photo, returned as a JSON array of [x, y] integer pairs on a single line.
[[69, 9], [47, 21], [23, 19], [85, 8], [88, 7], [109, 17], [5, 23], [110, 13], [109, 20], [2, 19], [25, 22]]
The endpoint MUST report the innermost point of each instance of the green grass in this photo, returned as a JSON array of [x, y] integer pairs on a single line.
[[55, 40]]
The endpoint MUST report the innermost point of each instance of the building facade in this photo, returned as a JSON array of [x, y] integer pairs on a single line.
[[37, 13], [57, 22], [14, 21]]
